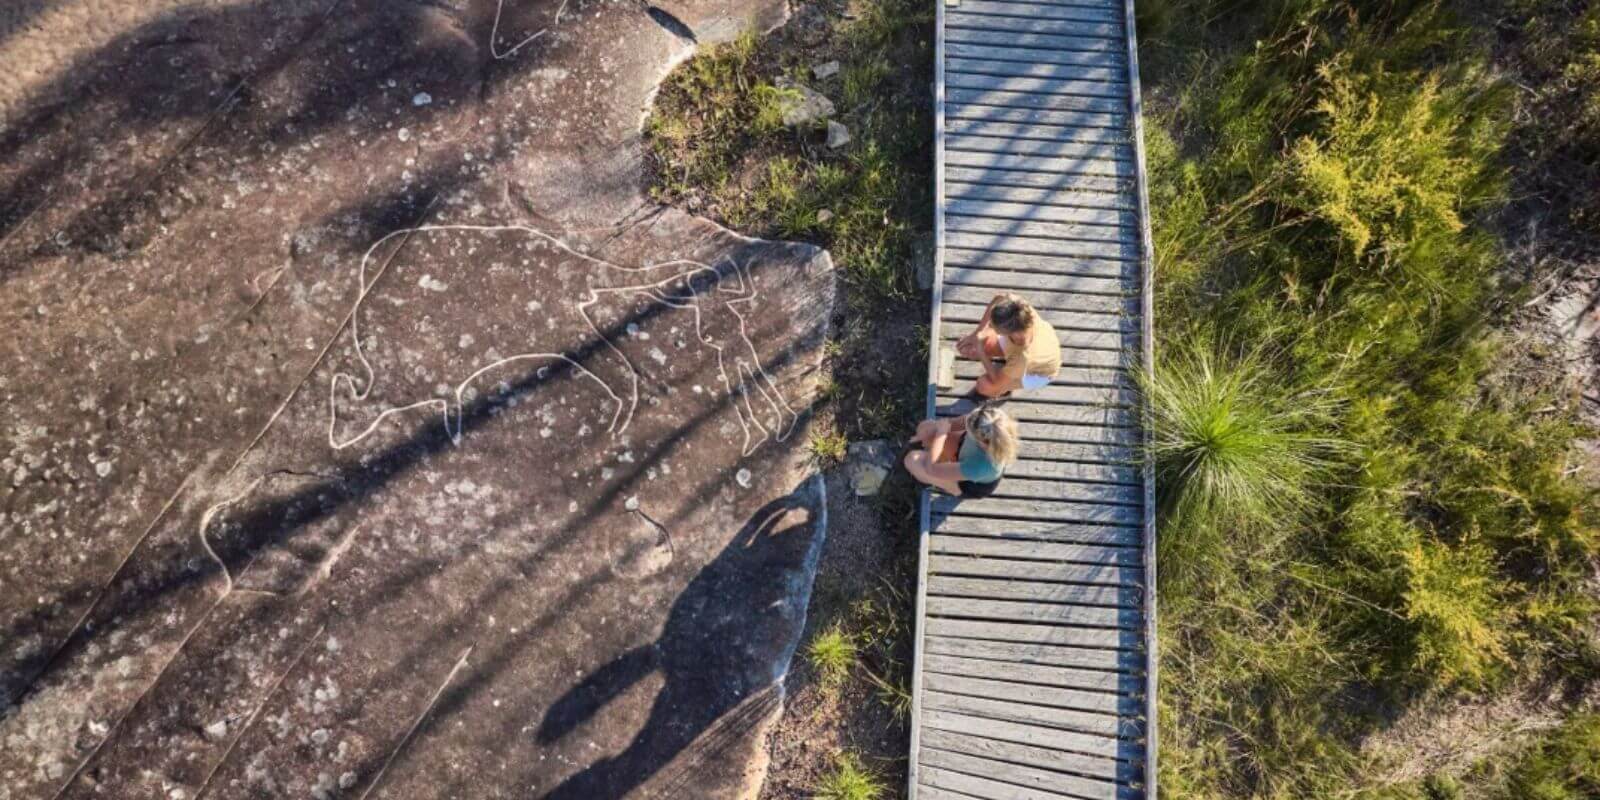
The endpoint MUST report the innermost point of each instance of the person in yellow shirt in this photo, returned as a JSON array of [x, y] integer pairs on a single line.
[[1017, 348]]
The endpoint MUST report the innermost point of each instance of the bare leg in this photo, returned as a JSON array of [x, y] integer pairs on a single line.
[[941, 476]]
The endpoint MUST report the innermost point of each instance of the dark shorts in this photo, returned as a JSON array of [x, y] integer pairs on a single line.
[[975, 489]]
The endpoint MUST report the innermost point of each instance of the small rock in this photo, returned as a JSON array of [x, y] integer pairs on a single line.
[[421, 99], [631, 504], [825, 70], [404, 134], [347, 780], [216, 730], [743, 476], [868, 465], [801, 104], [838, 135], [824, 216], [320, 736]]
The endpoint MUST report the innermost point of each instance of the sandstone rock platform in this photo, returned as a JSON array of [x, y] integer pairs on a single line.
[[367, 432]]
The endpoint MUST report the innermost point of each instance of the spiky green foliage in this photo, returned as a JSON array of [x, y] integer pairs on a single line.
[[832, 654], [849, 780]]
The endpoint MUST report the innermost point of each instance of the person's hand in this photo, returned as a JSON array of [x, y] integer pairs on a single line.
[[942, 427]]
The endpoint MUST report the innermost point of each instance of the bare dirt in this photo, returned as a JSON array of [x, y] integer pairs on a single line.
[[366, 431]]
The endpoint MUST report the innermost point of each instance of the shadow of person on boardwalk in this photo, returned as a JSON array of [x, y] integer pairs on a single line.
[[721, 661]]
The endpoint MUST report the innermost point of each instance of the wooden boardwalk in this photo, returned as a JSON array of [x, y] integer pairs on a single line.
[[1035, 659]]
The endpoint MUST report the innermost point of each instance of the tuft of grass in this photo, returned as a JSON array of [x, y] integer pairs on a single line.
[[829, 448], [832, 654], [849, 780], [1228, 445]]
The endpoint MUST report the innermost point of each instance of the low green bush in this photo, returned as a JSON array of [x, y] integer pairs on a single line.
[[1371, 507]]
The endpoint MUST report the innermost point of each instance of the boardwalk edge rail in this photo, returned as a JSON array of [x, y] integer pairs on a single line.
[[1147, 354], [924, 523]]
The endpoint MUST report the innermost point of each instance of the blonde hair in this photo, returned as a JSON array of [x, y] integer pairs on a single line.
[[1011, 313], [996, 432]]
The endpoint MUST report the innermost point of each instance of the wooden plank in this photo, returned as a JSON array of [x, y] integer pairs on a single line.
[[1041, 509], [1031, 85], [960, 258], [1036, 591], [1081, 434], [1113, 151], [1040, 197], [1088, 166], [1000, 129], [1083, 658], [1074, 471], [1014, 486], [1059, 249], [1130, 642], [1092, 541], [1034, 612], [967, 556], [1033, 694], [1038, 735], [1068, 102], [1041, 674], [1110, 217], [1081, 721], [991, 281], [957, 562], [1038, 784], [954, 556], [1007, 39], [1043, 11], [1044, 757], [960, 19], [1042, 297], [1101, 72], [1079, 395], [1034, 53], [1110, 121], [1042, 229], [1075, 183], [918, 792]]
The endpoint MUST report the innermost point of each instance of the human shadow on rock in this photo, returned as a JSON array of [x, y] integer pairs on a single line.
[[736, 620]]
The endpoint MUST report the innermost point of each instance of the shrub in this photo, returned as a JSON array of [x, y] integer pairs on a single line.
[[1564, 766], [1236, 456], [832, 654], [1394, 160], [849, 780]]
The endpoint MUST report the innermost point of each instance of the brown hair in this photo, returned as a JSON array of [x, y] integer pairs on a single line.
[[1011, 313], [996, 433]]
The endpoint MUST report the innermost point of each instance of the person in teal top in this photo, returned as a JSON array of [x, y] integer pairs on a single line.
[[964, 456]]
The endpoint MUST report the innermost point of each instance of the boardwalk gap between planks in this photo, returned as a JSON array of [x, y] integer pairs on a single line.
[[1035, 664]]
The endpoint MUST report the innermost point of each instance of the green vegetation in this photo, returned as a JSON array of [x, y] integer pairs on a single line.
[[849, 780], [1364, 502], [1563, 766], [829, 448], [719, 142], [1559, 138], [832, 654]]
